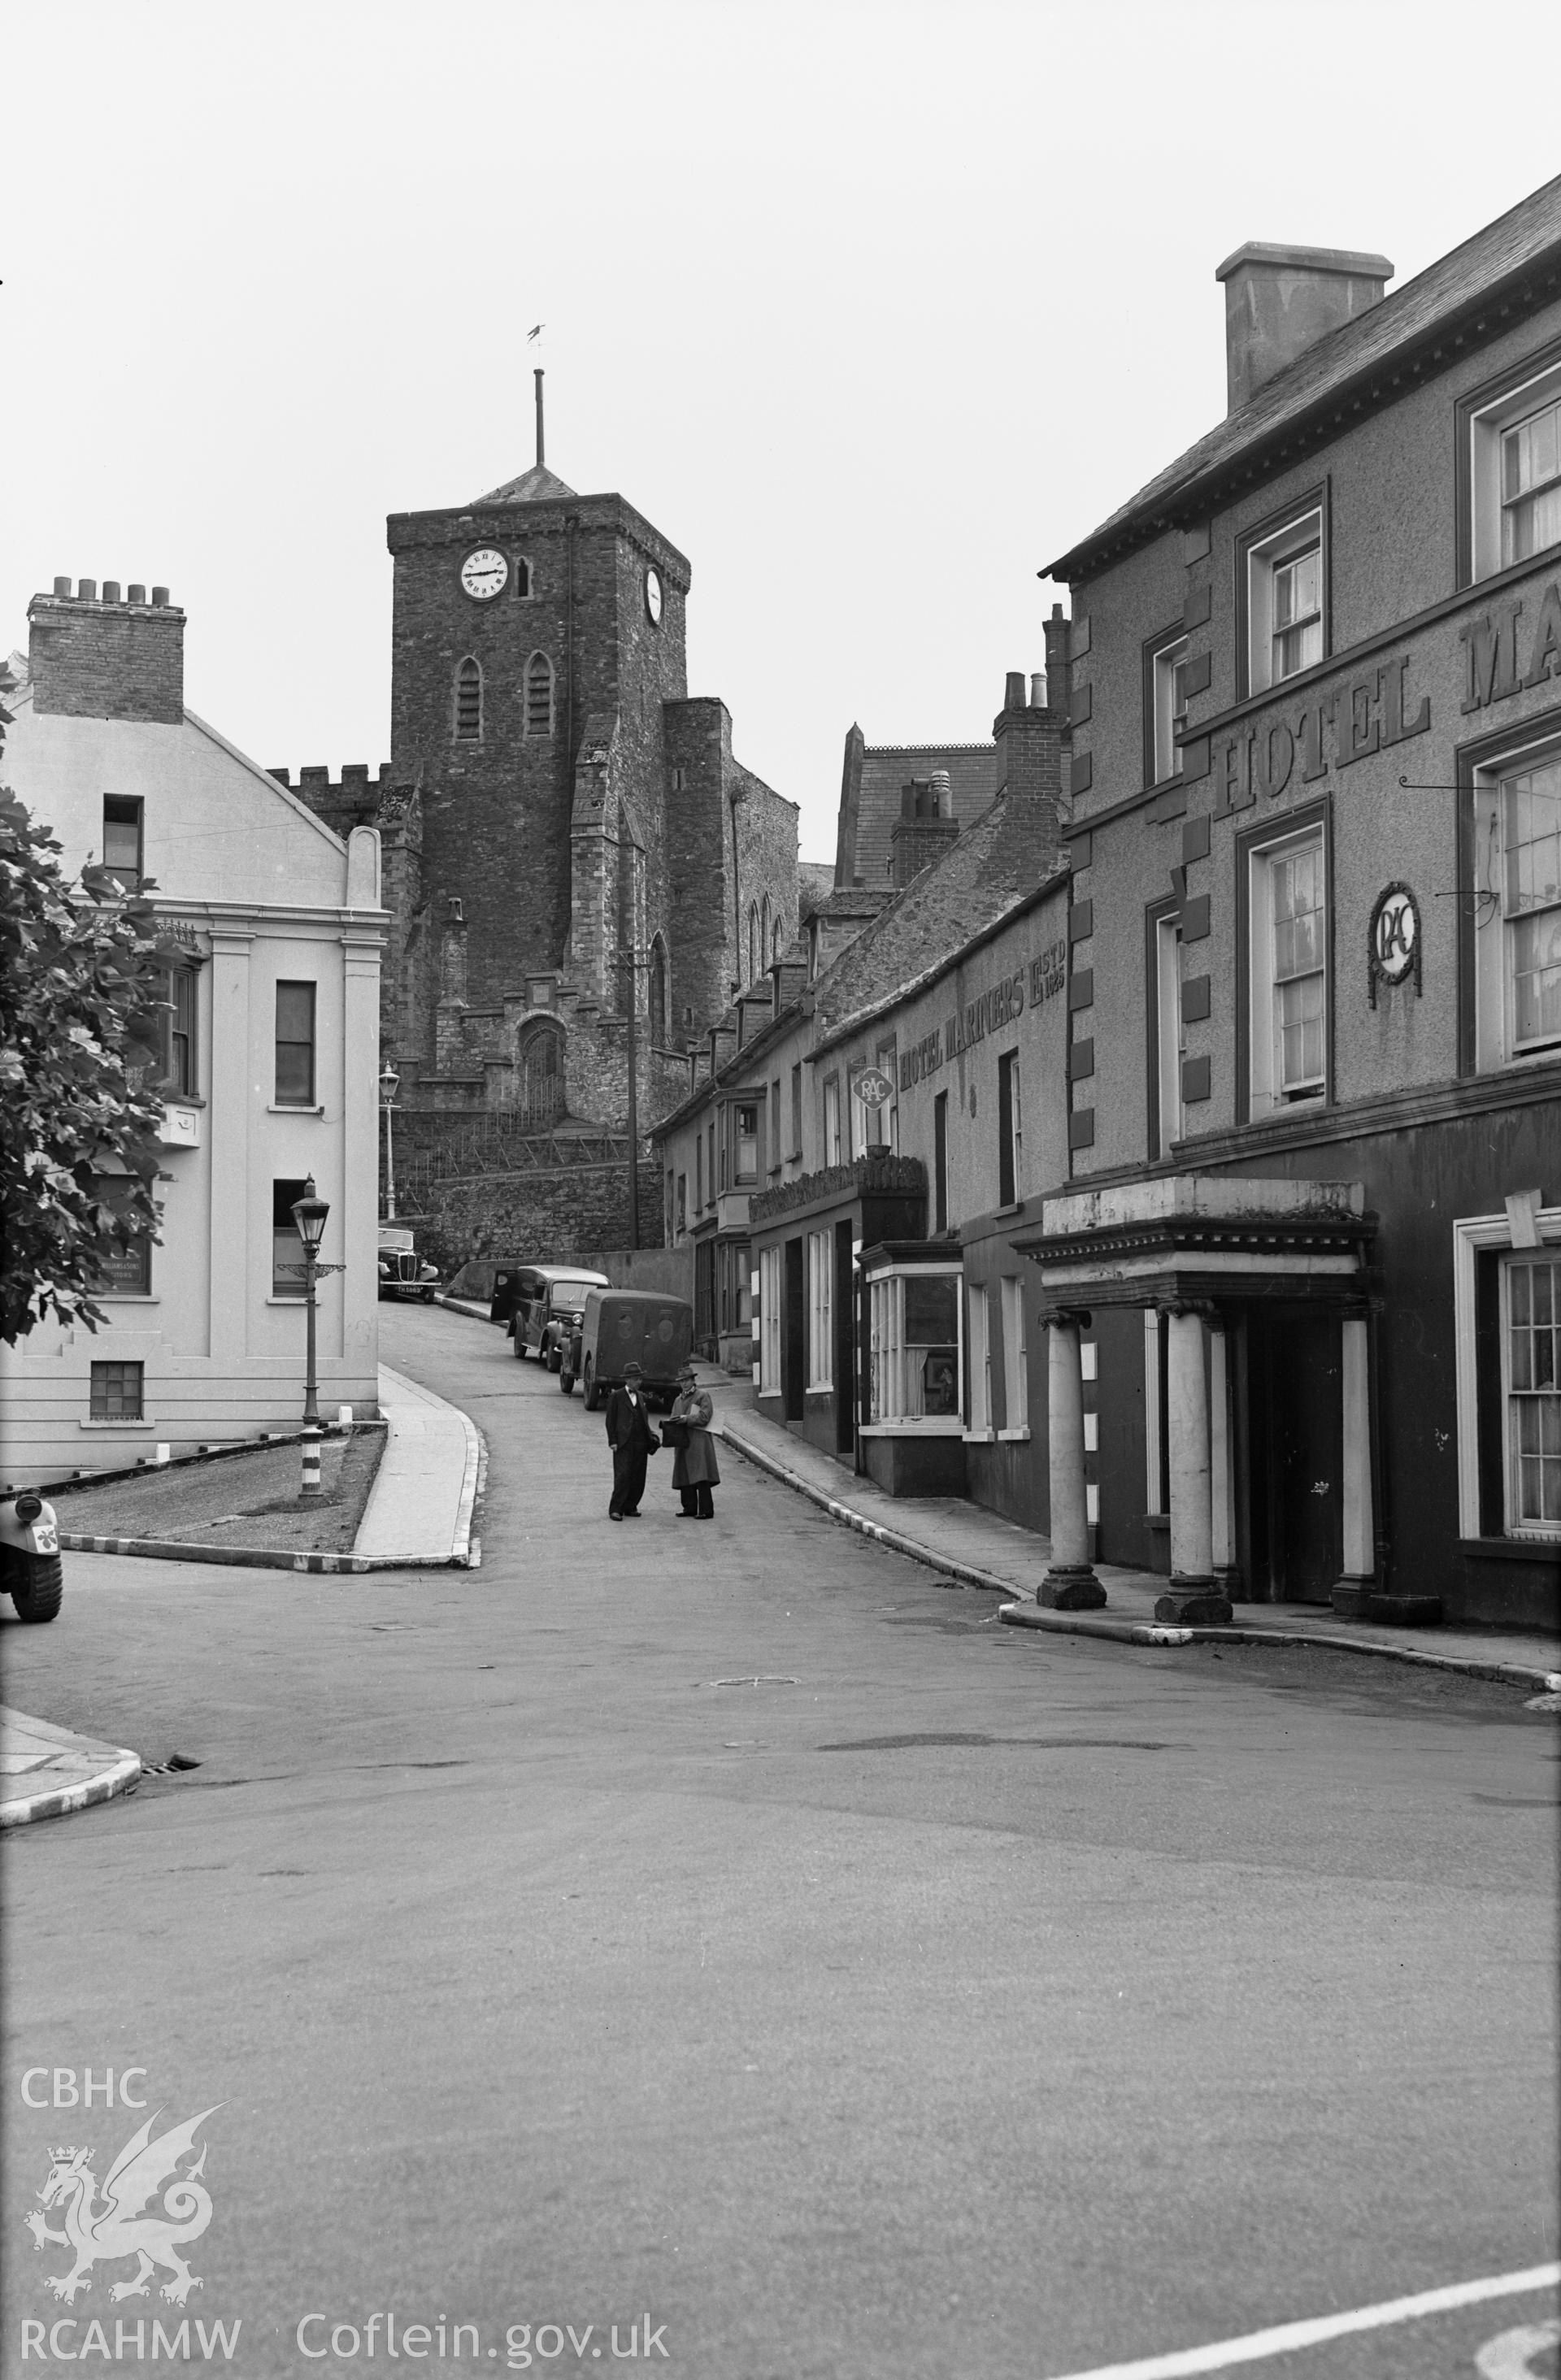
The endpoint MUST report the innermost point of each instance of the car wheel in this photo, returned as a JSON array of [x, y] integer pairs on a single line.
[[566, 1381], [556, 1358], [36, 1584], [591, 1399], [519, 1348], [426, 1295]]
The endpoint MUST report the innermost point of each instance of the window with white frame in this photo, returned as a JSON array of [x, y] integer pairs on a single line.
[[915, 1349], [979, 1342], [821, 1310], [747, 1145], [769, 1321], [1285, 601], [1016, 1360], [1516, 909], [1531, 1392], [1168, 695], [1514, 461], [832, 1121], [1010, 1131], [1170, 1033], [1288, 959]]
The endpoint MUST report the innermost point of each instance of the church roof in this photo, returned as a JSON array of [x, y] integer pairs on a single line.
[[537, 485]]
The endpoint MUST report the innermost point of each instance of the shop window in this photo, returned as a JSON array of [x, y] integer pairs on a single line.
[[1010, 1131], [1283, 579], [117, 1393], [821, 1309], [468, 702], [287, 1248], [125, 1268], [980, 1344], [1288, 962], [1506, 1288], [1531, 1392], [539, 696], [832, 1155], [1016, 1360], [1516, 909], [769, 1322], [746, 1172], [1166, 692], [1509, 458], [916, 1347], [122, 822], [295, 1046]]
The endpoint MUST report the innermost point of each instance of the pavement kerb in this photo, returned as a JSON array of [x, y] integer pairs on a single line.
[[122, 1776], [1128, 1631]]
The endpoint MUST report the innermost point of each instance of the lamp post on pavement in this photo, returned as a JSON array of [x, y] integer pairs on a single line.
[[390, 1083], [309, 1214]]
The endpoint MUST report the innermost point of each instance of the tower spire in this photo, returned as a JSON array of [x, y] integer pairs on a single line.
[[541, 456]]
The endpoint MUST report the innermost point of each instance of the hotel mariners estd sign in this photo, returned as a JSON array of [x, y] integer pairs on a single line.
[[1000, 1004], [1379, 709]]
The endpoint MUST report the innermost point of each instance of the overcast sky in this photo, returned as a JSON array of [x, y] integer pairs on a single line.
[[871, 307]]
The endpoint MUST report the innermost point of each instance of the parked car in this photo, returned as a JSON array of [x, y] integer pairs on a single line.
[[548, 1311], [30, 1555], [623, 1326], [478, 1277], [402, 1274]]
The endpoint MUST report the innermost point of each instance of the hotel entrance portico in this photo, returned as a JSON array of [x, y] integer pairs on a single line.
[[1258, 1392]]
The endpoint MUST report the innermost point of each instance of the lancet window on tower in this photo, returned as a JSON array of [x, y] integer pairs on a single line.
[[468, 702], [658, 992], [539, 696]]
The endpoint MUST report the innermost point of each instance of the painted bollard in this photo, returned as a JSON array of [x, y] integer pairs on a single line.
[[310, 1449]]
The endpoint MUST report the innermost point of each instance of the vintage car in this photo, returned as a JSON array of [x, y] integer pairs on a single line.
[[30, 1555], [402, 1274], [548, 1301], [624, 1326]]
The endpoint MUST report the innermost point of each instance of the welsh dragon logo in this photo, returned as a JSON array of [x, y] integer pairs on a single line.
[[121, 2226]]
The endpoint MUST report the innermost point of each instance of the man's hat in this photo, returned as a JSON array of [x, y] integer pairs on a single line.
[[633, 1372], [687, 1372]]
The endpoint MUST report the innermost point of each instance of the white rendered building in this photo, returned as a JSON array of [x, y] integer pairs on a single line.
[[269, 1067]]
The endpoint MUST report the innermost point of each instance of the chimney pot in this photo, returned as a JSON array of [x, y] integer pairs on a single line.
[[87, 591], [1279, 301], [1013, 695], [134, 594], [111, 590], [62, 587], [160, 595], [1038, 689]]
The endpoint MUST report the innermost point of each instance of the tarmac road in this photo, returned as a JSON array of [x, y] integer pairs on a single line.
[[728, 1927]]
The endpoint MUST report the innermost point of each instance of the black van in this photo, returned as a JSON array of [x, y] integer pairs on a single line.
[[623, 1326]]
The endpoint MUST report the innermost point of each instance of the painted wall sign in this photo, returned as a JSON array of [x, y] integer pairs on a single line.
[[1491, 650], [1000, 1005], [1393, 939]]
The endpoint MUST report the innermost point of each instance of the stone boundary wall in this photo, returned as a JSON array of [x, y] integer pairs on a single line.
[[549, 1215]]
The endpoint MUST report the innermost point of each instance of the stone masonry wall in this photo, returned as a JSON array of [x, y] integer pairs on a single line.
[[546, 1216]]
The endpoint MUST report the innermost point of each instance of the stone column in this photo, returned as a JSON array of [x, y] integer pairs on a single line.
[[1192, 1596], [1359, 1525], [1222, 1464], [1069, 1585]]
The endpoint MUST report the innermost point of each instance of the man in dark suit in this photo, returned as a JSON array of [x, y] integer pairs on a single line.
[[632, 1440]]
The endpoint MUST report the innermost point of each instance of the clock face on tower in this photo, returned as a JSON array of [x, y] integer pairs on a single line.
[[483, 573], [652, 596]]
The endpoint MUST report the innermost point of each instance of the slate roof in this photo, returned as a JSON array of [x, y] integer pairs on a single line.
[[537, 485], [1352, 363], [887, 769]]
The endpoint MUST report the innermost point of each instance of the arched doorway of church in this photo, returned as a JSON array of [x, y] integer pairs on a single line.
[[542, 1074]]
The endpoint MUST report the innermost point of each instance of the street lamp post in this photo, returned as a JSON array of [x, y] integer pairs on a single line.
[[390, 1083], [309, 1214]]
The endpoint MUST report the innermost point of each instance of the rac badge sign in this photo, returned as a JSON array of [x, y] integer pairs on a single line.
[[1393, 952]]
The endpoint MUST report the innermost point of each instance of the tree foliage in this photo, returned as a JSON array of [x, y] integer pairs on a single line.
[[81, 985]]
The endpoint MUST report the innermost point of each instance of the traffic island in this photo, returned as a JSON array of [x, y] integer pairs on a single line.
[[47, 1772]]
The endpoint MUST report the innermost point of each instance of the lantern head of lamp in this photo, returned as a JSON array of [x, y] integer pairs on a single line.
[[390, 1083], [309, 1214]]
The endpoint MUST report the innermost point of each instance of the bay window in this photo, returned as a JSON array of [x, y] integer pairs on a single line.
[[916, 1348]]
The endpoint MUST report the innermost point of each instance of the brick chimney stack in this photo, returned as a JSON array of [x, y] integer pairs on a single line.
[[108, 658], [1032, 740]]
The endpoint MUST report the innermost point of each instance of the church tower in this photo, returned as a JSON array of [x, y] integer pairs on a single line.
[[565, 829]]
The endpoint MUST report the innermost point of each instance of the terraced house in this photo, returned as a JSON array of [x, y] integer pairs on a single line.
[[1312, 1219]]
